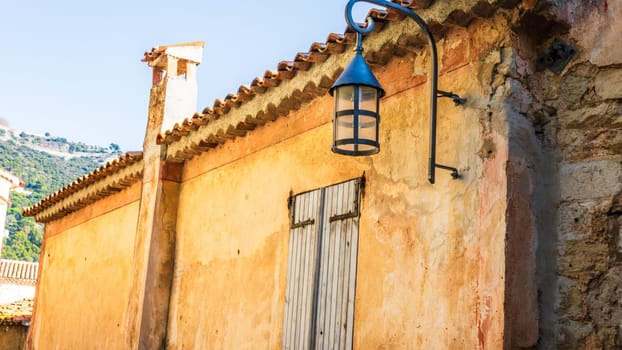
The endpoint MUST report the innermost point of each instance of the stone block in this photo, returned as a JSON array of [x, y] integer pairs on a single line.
[[589, 143], [604, 309], [576, 85], [575, 220], [570, 305], [590, 180], [598, 116], [619, 234], [583, 259], [572, 334], [608, 83]]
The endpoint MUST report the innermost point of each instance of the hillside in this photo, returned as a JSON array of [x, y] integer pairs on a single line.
[[46, 163]]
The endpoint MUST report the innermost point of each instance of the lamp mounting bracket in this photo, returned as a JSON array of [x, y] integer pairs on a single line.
[[454, 172], [458, 101], [435, 93]]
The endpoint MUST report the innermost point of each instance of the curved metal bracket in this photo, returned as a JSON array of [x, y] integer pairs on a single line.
[[458, 101], [434, 91]]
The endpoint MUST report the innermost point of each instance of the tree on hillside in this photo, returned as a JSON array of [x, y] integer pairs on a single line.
[[20, 246], [25, 235], [43, 174]]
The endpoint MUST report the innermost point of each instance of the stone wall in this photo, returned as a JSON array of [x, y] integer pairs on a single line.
[[576, 116]]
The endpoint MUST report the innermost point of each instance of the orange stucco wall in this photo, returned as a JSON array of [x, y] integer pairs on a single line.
[[431, 257], [83, 287], [432, 260]]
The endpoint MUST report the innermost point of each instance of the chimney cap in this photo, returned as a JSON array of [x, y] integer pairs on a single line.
[[190, 51]]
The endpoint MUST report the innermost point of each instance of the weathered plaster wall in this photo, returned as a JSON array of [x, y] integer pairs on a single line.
[[432, 268], [85, 276], [13, 337], [523, 251]]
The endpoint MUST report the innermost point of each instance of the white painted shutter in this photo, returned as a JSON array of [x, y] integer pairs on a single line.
[[337, 282], [301, 270], [321, 274]]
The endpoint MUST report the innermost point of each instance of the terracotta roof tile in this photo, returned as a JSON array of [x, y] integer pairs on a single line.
[[88, 183], [17, 313], [18, 272], [286, 70], [232, 99], [220, 124], [318, 52], [245, 93]]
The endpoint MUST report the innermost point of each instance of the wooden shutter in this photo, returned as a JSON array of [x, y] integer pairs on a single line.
[[337, 281], [321, 273], [301, 270]]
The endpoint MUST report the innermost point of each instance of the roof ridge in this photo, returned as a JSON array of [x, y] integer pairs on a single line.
[[82, 183], [19, 272], [445, 14]]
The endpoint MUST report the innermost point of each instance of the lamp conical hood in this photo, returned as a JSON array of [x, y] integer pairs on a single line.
[[357, 72]]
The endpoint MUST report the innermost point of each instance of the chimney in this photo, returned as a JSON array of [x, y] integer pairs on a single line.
[[174, 91], [173, 98]]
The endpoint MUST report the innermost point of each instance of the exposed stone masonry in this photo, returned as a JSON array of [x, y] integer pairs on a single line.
[[577, 118], [589, 136], [565, 167]]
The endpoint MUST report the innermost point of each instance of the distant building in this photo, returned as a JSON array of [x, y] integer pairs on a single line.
[[14, 323], [8, 182], [17, 279], [17, 291]]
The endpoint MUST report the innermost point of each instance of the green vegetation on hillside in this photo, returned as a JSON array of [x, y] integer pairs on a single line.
[[43, 174], [24, 241]]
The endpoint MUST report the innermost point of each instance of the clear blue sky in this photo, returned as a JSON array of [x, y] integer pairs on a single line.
[[72, 68]]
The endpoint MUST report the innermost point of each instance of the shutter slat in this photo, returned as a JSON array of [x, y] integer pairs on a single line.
[[307, 279], [323, 279], [352, 260]]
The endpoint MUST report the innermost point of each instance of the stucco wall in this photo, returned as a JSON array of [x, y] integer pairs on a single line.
[[84, 283], [524, 251], [431, 269]]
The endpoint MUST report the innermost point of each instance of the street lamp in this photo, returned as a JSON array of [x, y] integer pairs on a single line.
[[356, 119], [357, 93]]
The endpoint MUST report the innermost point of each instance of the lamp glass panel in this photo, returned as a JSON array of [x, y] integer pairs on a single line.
[[368, 99], [345, 98], [344, 123], [367, 130], [344, 130], [368, 125]]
